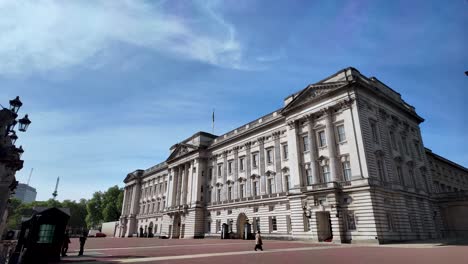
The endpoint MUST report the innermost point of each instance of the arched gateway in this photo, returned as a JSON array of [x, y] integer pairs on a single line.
[[241, 221]]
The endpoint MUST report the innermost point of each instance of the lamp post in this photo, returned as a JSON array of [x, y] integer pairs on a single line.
[[10, 155]]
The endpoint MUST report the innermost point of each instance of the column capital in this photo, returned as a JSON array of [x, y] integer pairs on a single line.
[[276, 134], [292, 124], [247, 144]]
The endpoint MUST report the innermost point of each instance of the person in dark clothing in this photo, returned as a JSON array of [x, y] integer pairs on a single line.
[[83, 237], [66, 241], [258, 241]]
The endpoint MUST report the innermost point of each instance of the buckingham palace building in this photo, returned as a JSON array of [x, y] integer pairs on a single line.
[[343, 161]]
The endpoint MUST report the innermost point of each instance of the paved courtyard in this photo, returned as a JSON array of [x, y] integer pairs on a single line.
[[136, 250]]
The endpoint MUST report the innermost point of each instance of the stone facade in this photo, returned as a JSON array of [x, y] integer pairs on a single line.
[[343, 160]]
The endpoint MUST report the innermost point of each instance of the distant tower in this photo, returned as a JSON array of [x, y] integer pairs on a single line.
[[54, 194]]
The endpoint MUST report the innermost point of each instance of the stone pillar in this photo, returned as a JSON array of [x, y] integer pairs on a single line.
[[331, 145], [225, 186], [236, 173], [248, 170], [124, 201], [261, 160], [294, 159], [179, 183], [170, 184], [175, 186], [279, 174], [313, 150], [183, 189]]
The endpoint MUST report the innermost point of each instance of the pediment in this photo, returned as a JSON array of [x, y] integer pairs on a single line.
[[133, 176], [312, 93], [181, 150]]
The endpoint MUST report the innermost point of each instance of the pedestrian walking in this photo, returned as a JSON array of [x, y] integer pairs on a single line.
[[258, 241], [66, 241], [83, 237]]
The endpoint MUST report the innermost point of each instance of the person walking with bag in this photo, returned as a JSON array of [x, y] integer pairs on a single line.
[[258, 241]]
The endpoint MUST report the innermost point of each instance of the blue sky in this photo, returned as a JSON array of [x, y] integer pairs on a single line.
[[111, 85]]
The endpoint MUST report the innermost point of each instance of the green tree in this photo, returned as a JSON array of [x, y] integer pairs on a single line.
[[78, 213], [94, 208], [112, 204]]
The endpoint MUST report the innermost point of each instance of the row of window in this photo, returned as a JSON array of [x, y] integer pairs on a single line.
[[154, 207], [256, 226], [397, 145], [271, 188], [325, 173], [269, 155], [153, 190], [322, 139]]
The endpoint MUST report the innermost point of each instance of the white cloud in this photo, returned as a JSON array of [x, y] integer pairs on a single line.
[[39, 36]]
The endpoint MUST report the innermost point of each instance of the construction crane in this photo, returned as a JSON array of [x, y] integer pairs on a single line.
[[54, 194], [29, 179]]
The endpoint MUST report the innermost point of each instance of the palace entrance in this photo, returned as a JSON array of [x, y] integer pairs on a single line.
[[324, 227], [241, 221]]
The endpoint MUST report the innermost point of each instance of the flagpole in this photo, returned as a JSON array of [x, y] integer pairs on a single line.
[[212, 122]]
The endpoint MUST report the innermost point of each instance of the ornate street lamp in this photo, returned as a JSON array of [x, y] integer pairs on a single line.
[[24, 123], [20, 151], [13, 137], [15, 104]]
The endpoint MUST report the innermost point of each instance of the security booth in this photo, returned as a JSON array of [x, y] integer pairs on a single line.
[[225, 231], [41, 236]]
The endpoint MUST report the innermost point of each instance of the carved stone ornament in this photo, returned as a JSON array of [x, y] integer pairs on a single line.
[[292, 124]]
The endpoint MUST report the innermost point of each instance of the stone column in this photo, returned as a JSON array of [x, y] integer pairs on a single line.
[[236, 173], [294, 159], [279, 174], [313, 150], [175, 186], [261, 161], [179, 183], [170, 184], [124, 201], [331, 145], [225, 186], [248, 170], [183, 189]]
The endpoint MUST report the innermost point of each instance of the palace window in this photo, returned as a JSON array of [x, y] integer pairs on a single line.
[[411, 174], [218, 225], [210, 173], [254, 160], [341, 133], [346, 170], [418, 150], [400, 175], [287, 182], [269, 155], [326, 173], [241, 191], [271, 185], [241, 164], [403, 139], [273, 224], [310, 179], [285, 152], [305, 143], [380, 168], [256, 188], [230, 167], [392, 138], [350, 221], [374, 132], [322, 139], [220, 169]]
